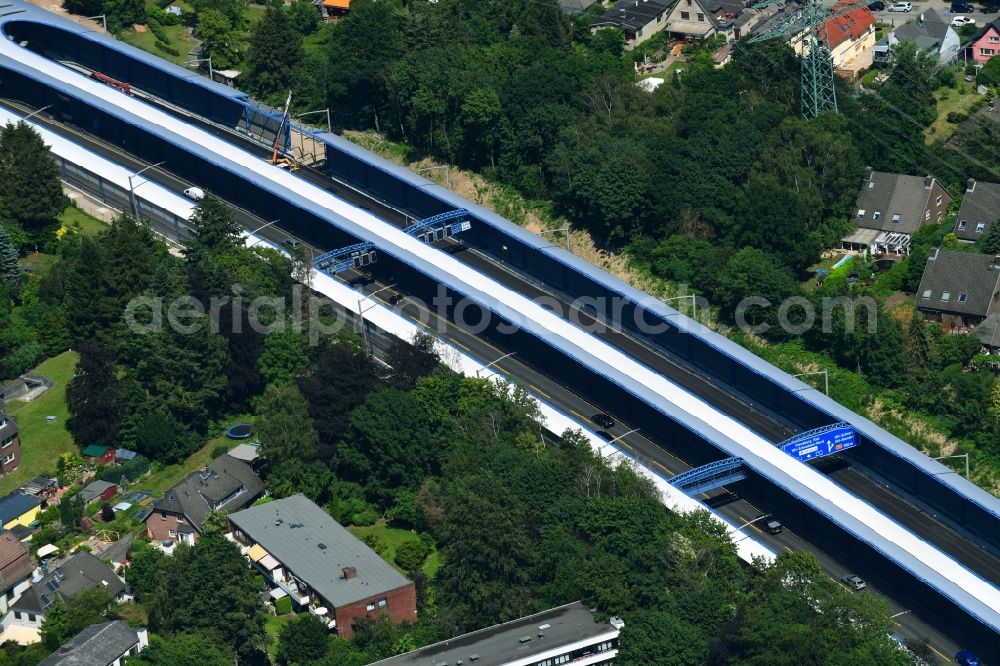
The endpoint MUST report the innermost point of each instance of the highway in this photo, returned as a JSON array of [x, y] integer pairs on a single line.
[[767, 425], [647, 450]]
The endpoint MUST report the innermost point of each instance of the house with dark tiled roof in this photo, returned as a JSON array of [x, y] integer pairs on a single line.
[[574, 7], [697, 20], [308, 556], [959, 289], [226, 485], [16, 567], [10, 443], [104, 644], [985, 44], [890, 208], [638, 19], [61, 582], [980, 209]]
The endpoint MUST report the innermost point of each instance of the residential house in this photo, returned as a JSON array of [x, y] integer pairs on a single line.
[[638, 19], [890, 208], [96, 454], [986, 42], [104, 644], [980, 209], [16, 567], [118, 553], [10, 444], [959, 289], [124, 455], [695, 20], [931, 32], [80, 572], [988, 332], [98, 490], [333, 9], [248, 453], [851, 39], [570, 634], [226, 485], [310, 557], [19, 509]]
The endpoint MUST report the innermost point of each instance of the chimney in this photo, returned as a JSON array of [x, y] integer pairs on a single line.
[[928, 182], [869, 173], [995, 264], [932, 255], [349, 573], [970, 185]]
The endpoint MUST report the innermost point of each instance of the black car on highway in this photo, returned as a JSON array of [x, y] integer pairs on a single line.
[[603, 420]]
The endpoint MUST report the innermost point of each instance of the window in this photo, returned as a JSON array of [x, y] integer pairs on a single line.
[[871, 184], [32, 617], [172, 534], [17, 615], [370, 607], [685, 15], [180, 519], [939, 200], [877, 215], [988, 52], [994, 39], [927, 216], [939, 216], [927, 293], [7, 459], [562, 659], [945, 296], [701, 17], [981, 227], [962, 298], [383, 602], [962, 224], [163, 515], [7, 441], [895, 218], [861, 212]]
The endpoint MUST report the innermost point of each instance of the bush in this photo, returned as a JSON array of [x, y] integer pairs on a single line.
[[957, 117], [411, 555], [157, 14], [128, 472], [219, 450], [166, 48], [283, 606]]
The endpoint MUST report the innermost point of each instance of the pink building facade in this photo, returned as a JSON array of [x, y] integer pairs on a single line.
[[986, 43]]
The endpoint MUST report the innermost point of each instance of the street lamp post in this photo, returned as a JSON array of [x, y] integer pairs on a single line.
[[826, 377], [492, 363], [37, 111], [447, 173], [261, 228], [329, 125], [198, 61], [361, 314], [564, 230], [131, 187], [747, 524], [104, 20], [958, 455], [612, 441]]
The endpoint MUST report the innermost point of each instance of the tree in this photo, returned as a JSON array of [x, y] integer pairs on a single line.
[[208, 587], [220, 39], [93, 397], [410, 555], [144, 569], [215, 229], [29, 182], [412, 360], [189, 648], [65, 619], [304, 16], [284, 358], [10, 270], [991, 242], [302, 641], [123, 14], [275, 51], [285, 430]]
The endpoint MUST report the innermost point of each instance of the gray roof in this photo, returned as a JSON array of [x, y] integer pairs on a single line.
[[575, 6], [970, 281], [630, 15], [316, 548], [928, 30], [118, 551], [981, 205], [891, 194], [988, 331], [97, 645], [81, 572], [504, 643], [94, 489], [225, 485], [245, 452], [125, 454]]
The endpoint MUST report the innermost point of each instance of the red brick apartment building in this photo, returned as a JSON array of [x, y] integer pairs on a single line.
[[10, 444]]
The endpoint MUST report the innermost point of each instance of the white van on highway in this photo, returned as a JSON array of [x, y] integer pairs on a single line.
[[195, 193]]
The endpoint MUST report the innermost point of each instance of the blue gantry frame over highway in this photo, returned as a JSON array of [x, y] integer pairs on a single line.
[[911, 570]]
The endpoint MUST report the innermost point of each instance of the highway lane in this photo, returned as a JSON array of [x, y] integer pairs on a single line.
[[649, 452], [918, 521]]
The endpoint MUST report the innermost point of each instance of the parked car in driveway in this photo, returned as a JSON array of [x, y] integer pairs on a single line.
[[901, 7], [961, 21], [854, 582]]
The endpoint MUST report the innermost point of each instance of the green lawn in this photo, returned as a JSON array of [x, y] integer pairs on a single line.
[[668, 73], [253, 14], [179, 39], [161, 481], [42, 442], [393, 537], [959, 99], [273, 628], [74, 219]]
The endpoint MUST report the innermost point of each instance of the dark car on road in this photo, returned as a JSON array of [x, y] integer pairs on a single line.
[[966, 658], [605, 435], [603, 420], [877, 6], [961, 8]]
